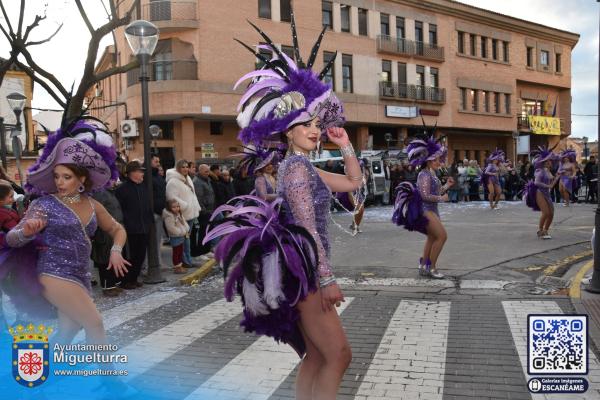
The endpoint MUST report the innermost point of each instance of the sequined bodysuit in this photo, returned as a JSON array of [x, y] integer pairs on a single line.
[[67, 246], [263, 187], [429, 187], [566, 179], [308, 200], [491, 173], [543, 179]]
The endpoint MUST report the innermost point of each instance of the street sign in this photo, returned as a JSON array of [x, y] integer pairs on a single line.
[[400, 112]]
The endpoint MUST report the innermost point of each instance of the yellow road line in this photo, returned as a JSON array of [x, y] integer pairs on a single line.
[[575, 289], [549, 270], [199, 274]]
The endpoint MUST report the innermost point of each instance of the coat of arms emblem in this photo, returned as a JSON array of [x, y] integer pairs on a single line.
[[30, 354]]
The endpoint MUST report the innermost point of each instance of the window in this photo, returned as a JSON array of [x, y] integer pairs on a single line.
[[162, 61], [264, 9], [434, 77], [345, 16], [473, 40], [400, 33], [558, 59], [461, 42], [486, 101], [386, 70], [402, 73], [327, 14], [418, 31], [285, 10], [330, 76], [362, 22], [347, 73], [497, 103], [463, 98], [474, 100], [433, 34], [288, 51], [384, 20], [505, 51], [216, 127], [530, 56], [544, 58], [420, 82], [494, 49], [507, 103], [483, 47]]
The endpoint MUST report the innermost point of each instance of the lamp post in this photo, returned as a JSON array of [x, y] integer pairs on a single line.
[[155, 133], [515, 136], [142, 37], [17, 102], [585, 149]]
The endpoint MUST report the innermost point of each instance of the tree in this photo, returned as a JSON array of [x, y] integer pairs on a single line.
[[72, 101]]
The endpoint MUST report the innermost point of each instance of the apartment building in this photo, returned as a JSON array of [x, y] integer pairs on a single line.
[[474, 76]]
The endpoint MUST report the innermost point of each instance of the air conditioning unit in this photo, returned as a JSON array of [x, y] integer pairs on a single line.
[[129, 128]]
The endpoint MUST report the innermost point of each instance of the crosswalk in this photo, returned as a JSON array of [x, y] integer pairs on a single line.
[[403, 348]]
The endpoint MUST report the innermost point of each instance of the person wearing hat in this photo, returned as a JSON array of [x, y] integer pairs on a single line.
[[566, 170], [47, 263], [537, 192], [491, 177], [134, 199]]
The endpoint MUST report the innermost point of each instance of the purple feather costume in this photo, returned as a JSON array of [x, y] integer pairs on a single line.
[[61, 250]]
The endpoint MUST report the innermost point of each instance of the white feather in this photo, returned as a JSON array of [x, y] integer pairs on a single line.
[[101, 138], [271, 272], [252, 299]]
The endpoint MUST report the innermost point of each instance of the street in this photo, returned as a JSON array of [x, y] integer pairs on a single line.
[[412, 338]]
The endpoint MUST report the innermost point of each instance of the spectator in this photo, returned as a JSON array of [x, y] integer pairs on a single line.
[[591, 179], [514, 184], [463, 180], [102, 244], [206, 197], [474, 177], [329, 166], [243, 184], [159, 194], [134, 200], [454, 189], [178, 229], [180, 187], [18, 189], [224, 189], [192, 169]]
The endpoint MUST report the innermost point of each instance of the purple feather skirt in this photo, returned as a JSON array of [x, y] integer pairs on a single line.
[[487, 179], [408, 209], [19, 277]]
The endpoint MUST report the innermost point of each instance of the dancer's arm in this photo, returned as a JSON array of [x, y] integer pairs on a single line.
[[34, 221], [261, 189], [353, 178], [116, 231]]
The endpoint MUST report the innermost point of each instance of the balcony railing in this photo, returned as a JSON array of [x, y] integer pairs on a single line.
[[165, 10], [412, 92], [523, 123], [394, 45], [166, 70]]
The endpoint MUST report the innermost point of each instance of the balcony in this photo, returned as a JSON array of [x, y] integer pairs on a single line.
[[524, 125], [171, 16], [166, 70], [388, 44], [412, 92]]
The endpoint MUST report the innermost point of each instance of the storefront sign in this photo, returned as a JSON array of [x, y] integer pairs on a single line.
[[207, 147], [400, 112], [544, 125], [424, 111]]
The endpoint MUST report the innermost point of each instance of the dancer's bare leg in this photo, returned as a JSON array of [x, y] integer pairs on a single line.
[[497, 194], [436, 230], [324, 330], [545, 209], [491, 197], [76, 304], [309, 369], [564, 193]]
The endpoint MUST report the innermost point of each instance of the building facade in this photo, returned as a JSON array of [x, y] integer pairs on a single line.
[[477, 76]]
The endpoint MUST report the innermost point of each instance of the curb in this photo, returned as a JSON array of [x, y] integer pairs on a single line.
[[575, 289], [199, 274], [561, 266]]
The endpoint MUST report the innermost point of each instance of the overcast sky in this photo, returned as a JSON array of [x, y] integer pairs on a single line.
[[64, 56]]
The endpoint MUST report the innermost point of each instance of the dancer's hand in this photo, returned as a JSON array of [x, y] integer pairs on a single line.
[[331, 295], [445, 197], [338, 136], [117, 263], [33, 226]]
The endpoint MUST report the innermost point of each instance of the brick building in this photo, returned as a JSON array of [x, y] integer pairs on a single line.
[[478, 76]]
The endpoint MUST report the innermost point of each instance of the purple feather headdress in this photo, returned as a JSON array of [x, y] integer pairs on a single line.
[[497, 154], [541, 155], [569, 154], [422, 150], [285, 93], [256, 158], [84, 142]]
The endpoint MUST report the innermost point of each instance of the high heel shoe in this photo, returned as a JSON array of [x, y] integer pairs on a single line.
[[435, 274]]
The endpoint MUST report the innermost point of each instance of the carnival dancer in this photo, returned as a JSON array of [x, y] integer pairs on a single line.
[[50, 247], [537, 192], [280, 249], [566, 170], [261, 162], [491, 177], [416, 208]]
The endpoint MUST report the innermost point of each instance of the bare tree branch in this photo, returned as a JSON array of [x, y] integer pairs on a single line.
[[113, 8], [44, 73], [31, 73], [10, 29], [21, 15], [85, 17], [115, 70], [8, 37], [35, 23], [45, 40]]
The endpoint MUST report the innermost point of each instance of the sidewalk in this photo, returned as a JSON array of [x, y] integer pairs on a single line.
[[585, 302]]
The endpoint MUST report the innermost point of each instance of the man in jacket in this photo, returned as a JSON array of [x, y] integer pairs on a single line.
[[137, 217], [591, 179], [224, 189]]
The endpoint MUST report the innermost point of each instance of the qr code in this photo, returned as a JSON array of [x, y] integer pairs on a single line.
[[557, 344]]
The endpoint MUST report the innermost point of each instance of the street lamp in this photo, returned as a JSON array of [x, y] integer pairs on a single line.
[[16, 101], [142, 37], [585, 150], [515, 136], [155, 133]]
